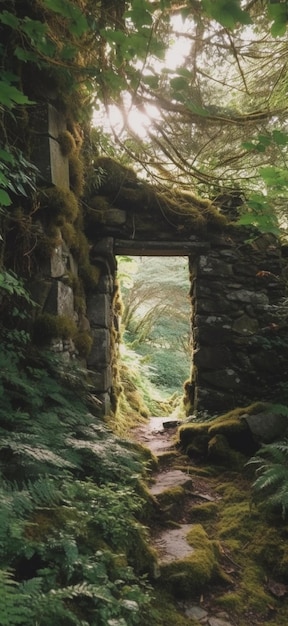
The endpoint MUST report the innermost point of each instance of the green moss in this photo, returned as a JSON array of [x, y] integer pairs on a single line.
[[219, 451], [48, 241], [60, 205], [188, 432], [189, 576], [83, 343], [171, 500], [202, 512], [67, 143], [69, 233], [47, 327], [81, 248], [165, 613], [139, 553], [76, 175]]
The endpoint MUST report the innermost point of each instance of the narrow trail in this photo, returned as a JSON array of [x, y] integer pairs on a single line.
[[169, 537]]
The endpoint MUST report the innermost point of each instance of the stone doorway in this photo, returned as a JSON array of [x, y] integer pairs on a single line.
[[156, 319]]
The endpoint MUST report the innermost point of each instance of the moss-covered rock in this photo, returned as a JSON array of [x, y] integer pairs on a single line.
[[188, 576]]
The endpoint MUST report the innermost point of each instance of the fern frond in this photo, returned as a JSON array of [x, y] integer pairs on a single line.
[[271, 477], [13, 609]]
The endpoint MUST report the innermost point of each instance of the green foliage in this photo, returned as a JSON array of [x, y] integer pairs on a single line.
[[156, 309], [17, 175], [68, 507], [226, 12], [277, 11], [271, 467]]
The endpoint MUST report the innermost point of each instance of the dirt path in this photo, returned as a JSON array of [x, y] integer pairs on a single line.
[[169, 542]]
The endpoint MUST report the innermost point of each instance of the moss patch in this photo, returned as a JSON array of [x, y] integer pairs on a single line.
[[187, 577]]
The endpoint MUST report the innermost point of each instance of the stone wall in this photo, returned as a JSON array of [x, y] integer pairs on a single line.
[[239, 356], [239, 346]]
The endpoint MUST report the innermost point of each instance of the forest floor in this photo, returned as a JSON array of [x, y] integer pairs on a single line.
[[250, 590]]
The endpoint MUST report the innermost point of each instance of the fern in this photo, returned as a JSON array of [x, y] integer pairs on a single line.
[[271, 484], [13, 607]]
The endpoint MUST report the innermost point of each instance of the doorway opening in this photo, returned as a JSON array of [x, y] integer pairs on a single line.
[[156, 342]]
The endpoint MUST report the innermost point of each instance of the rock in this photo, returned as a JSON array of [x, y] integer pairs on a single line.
[[172, 544], [196, 612], [216, 621], [267, 426], [168, 480]]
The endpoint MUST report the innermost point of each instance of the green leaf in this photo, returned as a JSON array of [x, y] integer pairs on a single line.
[[5, 155], [9, 19], [79, 24], [179, 83], [24, 55], [5, 199], [10, 95], [139, 13], [151, 81], [226, 12], [280, 137], [278, 12]]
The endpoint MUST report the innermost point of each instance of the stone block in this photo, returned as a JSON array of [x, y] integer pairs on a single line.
[[213, 268], [60, 300], [245, 325], [99, 310], [104, 404], [222, 379], [100, 354], [57, 263], [104, 249], [212, 329], [266, 427], [46, 124], [212, 357], [101, 380]]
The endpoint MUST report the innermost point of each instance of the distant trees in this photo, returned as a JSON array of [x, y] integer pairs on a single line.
[[156, 318]]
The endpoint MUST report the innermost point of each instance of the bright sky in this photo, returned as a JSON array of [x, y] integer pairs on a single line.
[[139, 122]]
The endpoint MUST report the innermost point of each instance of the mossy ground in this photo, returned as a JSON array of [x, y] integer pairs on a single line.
[[240, 549]]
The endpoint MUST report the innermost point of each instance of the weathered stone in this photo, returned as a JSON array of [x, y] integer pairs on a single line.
[[60, 300], [216, 621], [267, 426], [213, 267], [102, 404], [245, 325], [99, 310], [212, 329], [212, 401], [47, 124], [57, 263], [39, 291], [100, 353], [196, 612], [212, 357], [101, 380], [166, 480], [110, 217], [224, 379], [245, 295], [104, 249]]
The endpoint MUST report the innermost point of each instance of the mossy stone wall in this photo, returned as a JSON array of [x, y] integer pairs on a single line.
[[237, 283]]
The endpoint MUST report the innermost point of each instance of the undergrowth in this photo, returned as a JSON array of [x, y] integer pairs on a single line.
[[67, 492]]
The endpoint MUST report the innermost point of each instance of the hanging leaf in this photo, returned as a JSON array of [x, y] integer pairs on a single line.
[[139, 13], [226, 12], [78, 21], [278, 13]]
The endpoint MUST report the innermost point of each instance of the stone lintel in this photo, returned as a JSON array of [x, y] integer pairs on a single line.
[[159, 248]]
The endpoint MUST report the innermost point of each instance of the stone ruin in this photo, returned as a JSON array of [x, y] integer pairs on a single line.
[[237, 283]]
